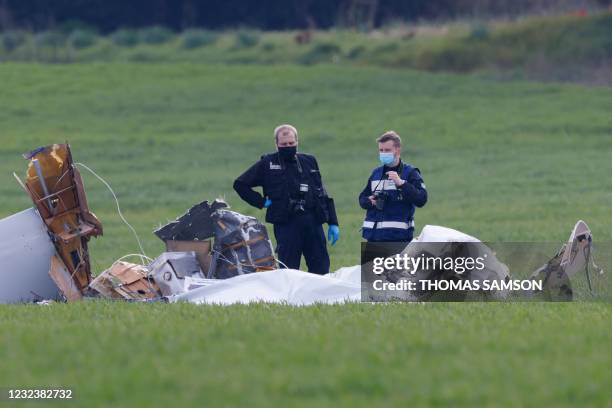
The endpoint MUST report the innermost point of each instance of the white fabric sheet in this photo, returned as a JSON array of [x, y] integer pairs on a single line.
[[295, 287]]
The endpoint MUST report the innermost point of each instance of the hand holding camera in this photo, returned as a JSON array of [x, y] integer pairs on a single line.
[[392, 175]]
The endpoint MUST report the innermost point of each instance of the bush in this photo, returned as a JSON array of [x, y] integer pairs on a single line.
[[198, 38], [246, 39], [268, 46], [386, 48], [356, 52], [50, 39], [125, 38], [480, 32], [11, 40], [322, 52], [155, 35], [82, 39]]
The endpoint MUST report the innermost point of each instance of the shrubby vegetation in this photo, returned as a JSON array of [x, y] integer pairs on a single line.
[[155, 35], [125, 37], [198, 38], [82, 39], [246, 38], [553, 48]]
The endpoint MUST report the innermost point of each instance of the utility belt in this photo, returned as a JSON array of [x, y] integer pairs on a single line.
[[388, 224]]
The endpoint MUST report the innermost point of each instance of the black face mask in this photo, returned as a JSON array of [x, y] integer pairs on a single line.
[[287, 153]]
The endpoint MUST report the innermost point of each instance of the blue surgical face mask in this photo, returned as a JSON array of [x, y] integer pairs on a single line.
[[386, 158]]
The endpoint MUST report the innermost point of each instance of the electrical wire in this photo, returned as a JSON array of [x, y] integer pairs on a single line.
[[141, 256], [225, 259], [142, 252]]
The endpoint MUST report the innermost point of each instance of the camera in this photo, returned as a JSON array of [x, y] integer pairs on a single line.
[[299, 206], [380, 197]]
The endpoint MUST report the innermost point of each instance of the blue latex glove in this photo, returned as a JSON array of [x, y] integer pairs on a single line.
[[267, 203], [333, 234]]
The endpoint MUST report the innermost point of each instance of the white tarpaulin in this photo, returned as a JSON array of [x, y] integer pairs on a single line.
[[279, 286], [300, 288], [25, 257]]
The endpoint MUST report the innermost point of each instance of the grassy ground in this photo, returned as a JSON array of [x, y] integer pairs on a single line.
[[502, 161], [357, 355]]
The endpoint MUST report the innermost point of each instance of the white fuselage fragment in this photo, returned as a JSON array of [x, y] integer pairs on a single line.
[[25, 258]]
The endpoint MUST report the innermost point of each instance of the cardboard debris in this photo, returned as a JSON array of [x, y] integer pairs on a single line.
[[57, 191], [201, 249], [125, 280]]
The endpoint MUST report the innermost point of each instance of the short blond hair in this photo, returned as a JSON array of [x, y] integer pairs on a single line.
[[285, 127], [390, 135]]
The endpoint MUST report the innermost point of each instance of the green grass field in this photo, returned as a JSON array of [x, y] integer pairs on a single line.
[[512, 161]]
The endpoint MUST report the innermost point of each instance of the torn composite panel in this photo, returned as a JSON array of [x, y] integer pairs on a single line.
[[195, 225], [56, 188]]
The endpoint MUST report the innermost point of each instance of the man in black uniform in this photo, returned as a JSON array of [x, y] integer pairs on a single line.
[[296, 201]]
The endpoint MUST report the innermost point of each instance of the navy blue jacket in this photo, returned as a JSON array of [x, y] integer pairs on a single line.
[[395, 222]]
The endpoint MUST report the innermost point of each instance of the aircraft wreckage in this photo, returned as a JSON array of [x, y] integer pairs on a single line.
[[215, 255]]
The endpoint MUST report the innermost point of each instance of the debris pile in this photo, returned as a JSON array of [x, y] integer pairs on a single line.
[[44, 252], [124, 280], [48, 245]]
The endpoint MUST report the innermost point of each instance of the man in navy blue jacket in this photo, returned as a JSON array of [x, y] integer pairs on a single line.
[[392, 193]]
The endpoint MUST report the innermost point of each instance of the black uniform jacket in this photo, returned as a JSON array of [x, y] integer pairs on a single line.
[[280, 182]]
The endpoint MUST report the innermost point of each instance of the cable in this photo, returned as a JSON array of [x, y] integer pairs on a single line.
[[587, 255], [225, 259], [138, 255], [142, 252]]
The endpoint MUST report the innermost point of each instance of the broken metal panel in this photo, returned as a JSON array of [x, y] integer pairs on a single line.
[[577, 250], [195, 225], [171, 269], [573, 257], [241, 246], [125, 280], [25, 254], [56, 189], [556, 285], [62, 278]]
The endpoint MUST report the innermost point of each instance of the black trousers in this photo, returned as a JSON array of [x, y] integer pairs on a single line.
[[302, 235]]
